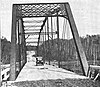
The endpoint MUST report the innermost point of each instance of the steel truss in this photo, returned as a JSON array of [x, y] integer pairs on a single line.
[[45, 10]]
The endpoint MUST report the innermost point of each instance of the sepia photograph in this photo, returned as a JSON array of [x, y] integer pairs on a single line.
[[49, 43]]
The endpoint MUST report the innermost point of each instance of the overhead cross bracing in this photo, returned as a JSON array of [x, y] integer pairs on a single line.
[[41, 21], [35, 24], [41, 10]]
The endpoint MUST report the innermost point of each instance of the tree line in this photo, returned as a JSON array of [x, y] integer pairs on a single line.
[[67, 49]]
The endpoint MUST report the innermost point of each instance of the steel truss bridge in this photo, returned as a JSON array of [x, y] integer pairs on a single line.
[[35, 26]]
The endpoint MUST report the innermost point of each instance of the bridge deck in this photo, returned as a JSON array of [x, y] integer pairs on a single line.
[[32, 72], [48, 76]]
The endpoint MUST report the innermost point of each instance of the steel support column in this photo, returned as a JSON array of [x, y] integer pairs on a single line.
[[77, 40], [58, 40], [52, 30], [24, 43], [43, 48], [13, 46], [21, 41], [48, 40], [19, 51], [45, 43]]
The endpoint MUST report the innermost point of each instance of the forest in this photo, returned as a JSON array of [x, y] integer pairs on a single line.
[[67, 54], [91, 45]]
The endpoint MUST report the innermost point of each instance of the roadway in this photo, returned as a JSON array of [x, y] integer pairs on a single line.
[[47, 76], [32, 72]]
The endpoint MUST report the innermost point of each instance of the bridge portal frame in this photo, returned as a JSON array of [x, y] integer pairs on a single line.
[[46, 10]]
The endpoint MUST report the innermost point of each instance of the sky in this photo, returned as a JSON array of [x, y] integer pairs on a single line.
[[86, 15]]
